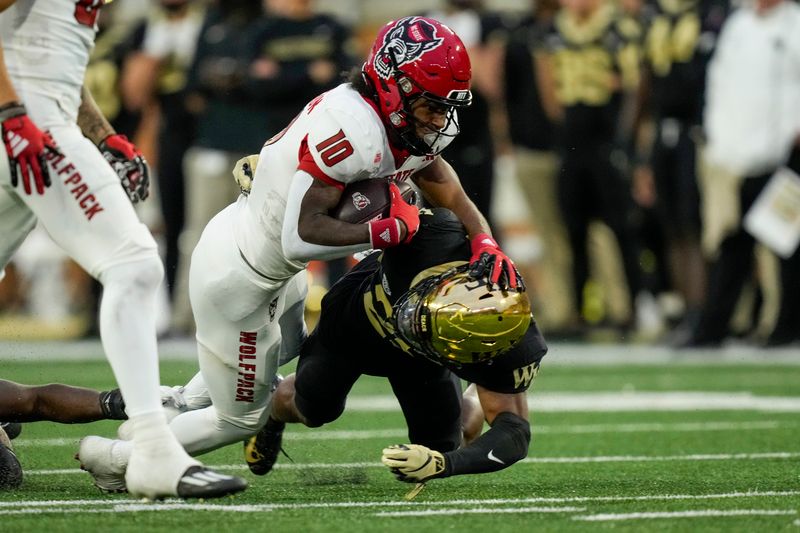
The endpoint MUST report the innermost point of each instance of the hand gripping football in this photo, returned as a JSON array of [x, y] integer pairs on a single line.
[[367, 200]]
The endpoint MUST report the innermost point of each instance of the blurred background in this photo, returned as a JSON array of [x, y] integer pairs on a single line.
[[585, 147]]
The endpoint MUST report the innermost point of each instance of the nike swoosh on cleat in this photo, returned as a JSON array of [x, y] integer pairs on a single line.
[[493, 457]]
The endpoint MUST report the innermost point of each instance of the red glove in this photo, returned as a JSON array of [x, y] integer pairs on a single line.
[[488, 259], [129, 164], [386, 232], [27, 147]]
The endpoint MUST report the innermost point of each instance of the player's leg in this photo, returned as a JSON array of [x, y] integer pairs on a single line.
[[431, 401], [238, 335], [58, 403], [261, 450], [292, 321], [16, 218], [573, 202], [472, 416], [313, 396], [86, 212]]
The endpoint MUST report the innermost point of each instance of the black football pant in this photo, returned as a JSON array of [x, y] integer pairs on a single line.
[[429, 395], [589, 188]]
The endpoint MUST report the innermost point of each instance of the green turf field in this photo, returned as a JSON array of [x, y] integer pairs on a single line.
[[684, 446]]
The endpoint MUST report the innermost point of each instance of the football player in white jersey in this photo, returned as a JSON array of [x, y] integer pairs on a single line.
[[76, 169], [247, 282]]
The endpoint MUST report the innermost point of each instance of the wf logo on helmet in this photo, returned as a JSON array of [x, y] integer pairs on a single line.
[[407, 42]]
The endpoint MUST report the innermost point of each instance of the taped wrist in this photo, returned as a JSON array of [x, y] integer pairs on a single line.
[[384, 233], [11, 110], [504, 444], [112, 405]]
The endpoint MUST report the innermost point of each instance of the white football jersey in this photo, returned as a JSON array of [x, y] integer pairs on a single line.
[[338, 138], [46, 44]]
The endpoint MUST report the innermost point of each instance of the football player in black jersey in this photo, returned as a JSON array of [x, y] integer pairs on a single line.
[[423, 321], [590, 66], [680, 39]]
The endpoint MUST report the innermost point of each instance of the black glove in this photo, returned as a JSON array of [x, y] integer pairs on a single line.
[[129, 164]]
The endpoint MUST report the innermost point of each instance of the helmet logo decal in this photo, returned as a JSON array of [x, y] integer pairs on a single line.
[[360, 201], [408, 41]]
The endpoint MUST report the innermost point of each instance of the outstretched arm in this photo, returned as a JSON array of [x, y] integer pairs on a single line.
[[58, 403], [504, 444], [441, 187]]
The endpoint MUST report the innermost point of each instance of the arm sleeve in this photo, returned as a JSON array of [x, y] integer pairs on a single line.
[[296, 248], [503, 445]]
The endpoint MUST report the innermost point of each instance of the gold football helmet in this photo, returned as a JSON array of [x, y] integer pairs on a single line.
[[454, 317]]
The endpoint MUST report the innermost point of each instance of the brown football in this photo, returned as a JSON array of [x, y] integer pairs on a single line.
[[366, 200]]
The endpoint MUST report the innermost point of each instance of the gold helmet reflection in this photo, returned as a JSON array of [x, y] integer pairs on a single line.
[[453, 317]]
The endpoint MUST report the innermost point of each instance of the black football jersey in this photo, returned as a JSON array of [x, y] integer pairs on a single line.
[[356, 315], [592, 61], [679, 43]]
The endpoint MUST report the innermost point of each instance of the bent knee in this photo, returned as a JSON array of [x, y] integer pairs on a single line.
[[144, 274], [315, 416]]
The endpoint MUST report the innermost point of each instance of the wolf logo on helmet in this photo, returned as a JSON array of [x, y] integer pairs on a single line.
[[404, 43]]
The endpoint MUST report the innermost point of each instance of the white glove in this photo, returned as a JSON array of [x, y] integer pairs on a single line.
[[244, 171], [173, 397], [413, 463]]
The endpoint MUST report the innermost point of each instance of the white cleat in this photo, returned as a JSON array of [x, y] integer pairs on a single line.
[[97, 456], [177, 474]]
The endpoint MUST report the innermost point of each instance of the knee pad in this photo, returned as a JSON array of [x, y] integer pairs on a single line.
[[144, 274]]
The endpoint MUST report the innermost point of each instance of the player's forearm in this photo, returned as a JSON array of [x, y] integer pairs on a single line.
[[91, 121], [308, 232], [7, 93], [441, 187], [503, 445]]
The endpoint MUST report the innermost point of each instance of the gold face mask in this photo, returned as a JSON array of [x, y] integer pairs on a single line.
[[453, 317]]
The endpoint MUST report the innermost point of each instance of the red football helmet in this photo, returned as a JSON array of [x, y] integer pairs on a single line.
[[417, 57]]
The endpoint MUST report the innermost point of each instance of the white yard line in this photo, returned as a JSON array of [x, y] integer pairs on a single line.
[[650, 427], [542, 460], [482, 510], [610, 517], [621, 401], [122, 505]]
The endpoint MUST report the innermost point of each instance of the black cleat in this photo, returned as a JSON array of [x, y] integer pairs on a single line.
[[12, 429], [202, 482], [261, 450], [10, 469]]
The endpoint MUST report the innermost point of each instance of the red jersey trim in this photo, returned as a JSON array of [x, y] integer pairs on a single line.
[[307, 164]]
